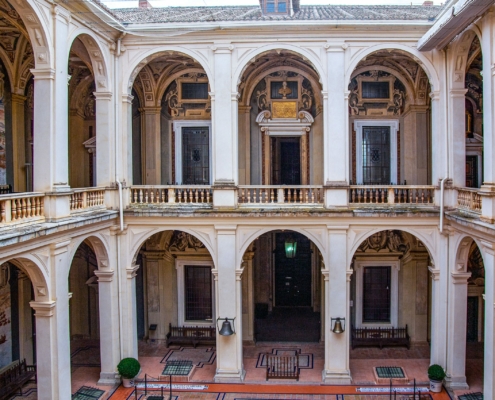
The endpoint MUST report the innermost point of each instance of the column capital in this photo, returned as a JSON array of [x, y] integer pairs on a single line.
[[226, 229], [61, 14], [18, 98], [460, 277], [43, 308], [222, 48], [59, 248], [458, 93], [336, 47], [104, 276], [127, 98], [150, 110], [131, 272], [43, 73], [435, 95], [435, 273], [103, 96]]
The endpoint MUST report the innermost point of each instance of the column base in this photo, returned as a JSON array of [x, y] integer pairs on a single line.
[[108, 379], [230, 376], [456, 382], [336, 377]]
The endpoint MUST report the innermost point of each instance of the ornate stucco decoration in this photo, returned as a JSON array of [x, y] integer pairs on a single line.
[[389, 241], [183, 242], [297, 126], [180, 106]]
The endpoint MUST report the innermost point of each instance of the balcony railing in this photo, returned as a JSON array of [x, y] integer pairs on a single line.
[[393, 194], [22, 207], [197, 194], [86, 199], [469, 200], [279, 195]]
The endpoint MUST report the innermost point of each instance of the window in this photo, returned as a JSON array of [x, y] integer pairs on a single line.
[[282, 7], [376, 294], [192, 152], [195, 292], [376, 152], [198, 305], [270, 7], [192, 91], [376, 90], [376, 155]]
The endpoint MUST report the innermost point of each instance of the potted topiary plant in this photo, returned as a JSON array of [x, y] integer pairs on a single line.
[[128, 369], [436, 374]]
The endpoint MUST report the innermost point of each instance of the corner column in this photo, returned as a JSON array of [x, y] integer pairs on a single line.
[[335, 132], [105, 140], [337, 295], [224, 107], [228, 290]]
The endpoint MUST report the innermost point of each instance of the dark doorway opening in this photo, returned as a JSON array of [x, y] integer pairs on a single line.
[[472, 319], [286, 164]]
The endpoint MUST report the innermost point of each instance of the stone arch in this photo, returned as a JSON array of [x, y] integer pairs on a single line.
[[299, 51], [420, 58], [463, 247], [37, 30], [97, 55], [359, 239], [36, 273], [246, 241], [76, 97], [139, 242], [137, 62], [459, 61], [98, 245]]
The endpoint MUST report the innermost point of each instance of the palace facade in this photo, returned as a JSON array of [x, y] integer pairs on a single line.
[[176, 166]]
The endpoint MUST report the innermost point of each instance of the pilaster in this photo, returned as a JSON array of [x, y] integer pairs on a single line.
[[19, 141], [457, 140], [151, 145], [105, 140]]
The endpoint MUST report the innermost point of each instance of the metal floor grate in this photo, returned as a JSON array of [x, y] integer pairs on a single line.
[[390, 372], [178, 368], [471, 396], [87, 393]]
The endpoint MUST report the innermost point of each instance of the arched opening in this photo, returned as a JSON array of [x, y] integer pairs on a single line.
[[280, 121], [175, 305], [171, 122], [16, 103], [474, 115], [282, 303], [390, 121], [82, 117], [84, 318], [390, 314], [17, 322]]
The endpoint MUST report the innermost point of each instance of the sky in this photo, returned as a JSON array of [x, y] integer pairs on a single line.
[[192, 3]]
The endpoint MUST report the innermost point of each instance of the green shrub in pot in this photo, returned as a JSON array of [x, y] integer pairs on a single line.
[[436, 372], [128, 367]]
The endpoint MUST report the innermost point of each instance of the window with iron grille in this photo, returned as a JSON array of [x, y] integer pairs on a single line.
[[194, 91], [376, 155], [376, 294], [195, 156], [375, 90], [198, 291]]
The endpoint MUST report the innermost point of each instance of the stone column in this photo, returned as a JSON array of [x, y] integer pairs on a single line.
[[224, 109], [438, 317], [124, 157], [457, 139], [109, 323], [229, 305], [105, 140], [151, 145], [457, 319], [488, 251], [46, 370], [335, 132], [488, 187], [19, 141], [439, 167], [79, 167], [248, 297], [337, 295], [244, 145]]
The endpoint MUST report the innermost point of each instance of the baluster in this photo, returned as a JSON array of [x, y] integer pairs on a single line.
[[29, 209], [24, 208], [313, 196], [14, 209], [3, 217]]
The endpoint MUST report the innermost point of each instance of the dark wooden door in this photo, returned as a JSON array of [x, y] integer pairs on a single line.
[[292, 275], [472, 171], [472, 319], [286, 161]]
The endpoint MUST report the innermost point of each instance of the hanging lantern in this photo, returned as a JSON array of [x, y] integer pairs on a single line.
[[290, 247]]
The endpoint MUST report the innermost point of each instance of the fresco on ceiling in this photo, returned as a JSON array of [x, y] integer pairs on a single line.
[[5, 319]]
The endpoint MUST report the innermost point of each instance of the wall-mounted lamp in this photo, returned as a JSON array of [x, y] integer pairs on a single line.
[[228, 327], [290, 247], [338, 325]]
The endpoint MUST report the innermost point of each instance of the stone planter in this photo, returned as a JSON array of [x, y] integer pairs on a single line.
[[435, 386]]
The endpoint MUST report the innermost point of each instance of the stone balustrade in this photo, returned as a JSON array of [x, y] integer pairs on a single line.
[[22, 207], [469, 200], [196, 194], [86, 199], [280, 195], [391, 194]]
